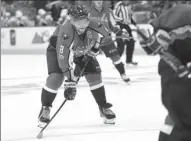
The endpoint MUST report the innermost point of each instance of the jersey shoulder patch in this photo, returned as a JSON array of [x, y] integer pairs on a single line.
[[66, 30], [96, 23], [99, 27]]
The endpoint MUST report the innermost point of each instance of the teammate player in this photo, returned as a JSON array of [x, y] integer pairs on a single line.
[[77, 41], [172, 30], [102, 13]]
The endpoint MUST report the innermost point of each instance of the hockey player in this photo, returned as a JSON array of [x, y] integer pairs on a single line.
[[76, 41], [103, 14], [172, 34]]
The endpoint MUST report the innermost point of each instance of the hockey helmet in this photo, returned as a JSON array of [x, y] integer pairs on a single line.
[[78, 12]]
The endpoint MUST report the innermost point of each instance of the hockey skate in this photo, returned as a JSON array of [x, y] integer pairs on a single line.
[[125, 78], [107, 114], [44, 116], [131, 64]]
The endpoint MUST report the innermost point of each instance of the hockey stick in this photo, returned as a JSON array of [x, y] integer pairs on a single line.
[[40, 135]]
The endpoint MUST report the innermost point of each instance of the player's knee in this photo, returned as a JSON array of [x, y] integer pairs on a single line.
[[116, 59], [167, 128], [94, 80], [54, 81], [169, 120]]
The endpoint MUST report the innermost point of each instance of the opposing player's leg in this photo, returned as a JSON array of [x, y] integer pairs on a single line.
[[129, 52], [50, 89], [176, 98], [112, 52], [120, 46], [93, 76]]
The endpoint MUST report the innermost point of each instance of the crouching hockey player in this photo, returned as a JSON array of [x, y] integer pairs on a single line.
[[172, 40], [105, 16], [77, 41]]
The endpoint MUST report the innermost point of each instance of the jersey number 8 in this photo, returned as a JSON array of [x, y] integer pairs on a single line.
[[61, 49]]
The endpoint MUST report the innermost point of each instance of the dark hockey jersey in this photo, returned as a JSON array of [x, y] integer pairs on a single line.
[[70, 45], [176, 21]]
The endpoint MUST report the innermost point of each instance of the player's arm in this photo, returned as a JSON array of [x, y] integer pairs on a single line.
[[167, 28], [158, 44], [164, 34], [64, 54], [65, 61], [94, 51]]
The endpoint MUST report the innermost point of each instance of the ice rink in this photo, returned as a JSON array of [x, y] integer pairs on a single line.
[[137, 105]]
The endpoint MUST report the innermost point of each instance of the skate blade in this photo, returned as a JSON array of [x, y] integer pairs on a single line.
[[130, 66], [109, 121], [41, 124], [127, 81]]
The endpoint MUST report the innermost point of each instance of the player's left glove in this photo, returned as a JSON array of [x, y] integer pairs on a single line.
[[69, 89], [184, 72], [189, 68], [123, 34], [93, 52], [152, 44]]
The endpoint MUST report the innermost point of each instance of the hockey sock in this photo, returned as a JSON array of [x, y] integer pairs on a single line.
[[99, 95], [47, 98], [120, 68]]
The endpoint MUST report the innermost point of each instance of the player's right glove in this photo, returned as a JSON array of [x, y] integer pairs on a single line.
[[69, 89], [152, 44]]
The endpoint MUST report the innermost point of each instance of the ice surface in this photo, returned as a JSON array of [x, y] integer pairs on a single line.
[[138, 107]]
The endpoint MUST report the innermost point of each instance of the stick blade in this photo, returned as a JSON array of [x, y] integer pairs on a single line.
[[40, 135]]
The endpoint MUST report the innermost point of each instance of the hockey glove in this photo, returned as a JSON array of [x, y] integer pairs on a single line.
[[93, 52], [189, 68], [184, 72], [152, 44], [69, 90], [123, 34], [87, 58]]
